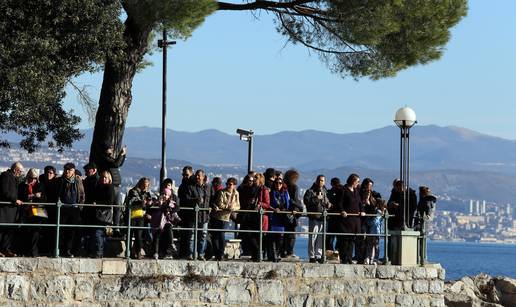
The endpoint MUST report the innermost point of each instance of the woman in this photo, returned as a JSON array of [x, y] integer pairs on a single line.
[[350, 209], [279, 201], [162, 222], [138, 198], [227, 201], [30, 191], [289, 239], [102, 216]]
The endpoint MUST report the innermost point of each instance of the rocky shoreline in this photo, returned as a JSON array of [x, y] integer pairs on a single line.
[[481, 290]]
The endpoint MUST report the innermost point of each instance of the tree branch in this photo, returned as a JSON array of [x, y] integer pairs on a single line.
[[256, 5]]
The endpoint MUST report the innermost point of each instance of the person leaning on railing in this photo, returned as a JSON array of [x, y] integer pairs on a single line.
[[30, 191], [8, 212], [316, 201], [137, 199], [71, 193], [227, 201], [280, 201]]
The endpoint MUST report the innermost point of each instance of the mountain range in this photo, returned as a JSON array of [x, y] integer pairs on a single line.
[[432, 148]]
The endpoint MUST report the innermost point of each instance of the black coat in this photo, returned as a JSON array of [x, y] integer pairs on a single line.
[[195, 194], [350, 203], [396, 222], [104, 195], [90, 185], [8, 193]]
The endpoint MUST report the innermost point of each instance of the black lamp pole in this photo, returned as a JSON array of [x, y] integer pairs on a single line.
[[163, 43]]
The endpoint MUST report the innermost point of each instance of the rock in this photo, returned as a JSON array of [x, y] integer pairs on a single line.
[[507, 290], [270, 292], [481, 290], [420, 286], [142, 267], [436, 286], [114, 267], [56, 289], [300, 300], [318, 270], [230, 269], [385, 271], [83, 288], [404, 300], [17, 287], [239, 291]]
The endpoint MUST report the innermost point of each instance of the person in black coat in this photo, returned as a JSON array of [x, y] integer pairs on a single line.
[[334, 195], [30, 191], [186, 179], [395, 206], [50, 186], [104, 194], [289, 239], [9, 210], [350, 208], [197, 193]]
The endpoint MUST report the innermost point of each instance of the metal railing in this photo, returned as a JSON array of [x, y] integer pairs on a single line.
[[260, 212]]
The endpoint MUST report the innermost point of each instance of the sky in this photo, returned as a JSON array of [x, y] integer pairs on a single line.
[[236, 72]]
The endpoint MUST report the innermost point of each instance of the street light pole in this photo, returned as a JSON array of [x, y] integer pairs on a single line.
[[163, 43], [405, 118], [247, 135]]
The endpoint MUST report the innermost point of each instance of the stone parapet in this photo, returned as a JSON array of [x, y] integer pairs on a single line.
[[117, 282]]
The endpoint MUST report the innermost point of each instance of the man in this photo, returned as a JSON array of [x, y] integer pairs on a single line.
[[71, 193], [395, 206], [316, 201], [186, 177], [111, 162], [334, 195], [197, 194], [8, 212], [50, 186], [90, 182]]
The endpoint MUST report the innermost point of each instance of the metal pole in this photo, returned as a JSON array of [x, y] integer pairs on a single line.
[[325, 215], [195, 230], [260, 241], [409, 211], [128, 239], [58, 226], [250, 154], [386, 240], [163, 170]]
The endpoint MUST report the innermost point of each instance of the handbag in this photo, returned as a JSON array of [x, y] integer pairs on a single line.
[[35, 211]]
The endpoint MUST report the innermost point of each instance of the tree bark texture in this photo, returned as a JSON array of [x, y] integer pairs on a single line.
[[116, 93]]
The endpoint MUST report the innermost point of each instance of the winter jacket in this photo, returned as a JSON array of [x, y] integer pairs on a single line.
[[279, 200], [8, 193], [196, 195], [225, 203], [69, 187], [351, 204], [395, 207], [316, 200]]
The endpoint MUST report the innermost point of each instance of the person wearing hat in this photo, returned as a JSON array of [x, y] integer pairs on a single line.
[[90, 182], [71, 193]]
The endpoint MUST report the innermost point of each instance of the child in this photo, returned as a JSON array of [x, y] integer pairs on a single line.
[[162, 222]]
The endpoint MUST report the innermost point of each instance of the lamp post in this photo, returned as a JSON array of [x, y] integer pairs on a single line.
[[164, 43], [247, 136], [405, 118]]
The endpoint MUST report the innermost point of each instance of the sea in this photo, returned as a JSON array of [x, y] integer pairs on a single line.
[[460, 258]]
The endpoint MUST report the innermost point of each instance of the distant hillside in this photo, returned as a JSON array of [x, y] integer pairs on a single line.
[[432, 147]]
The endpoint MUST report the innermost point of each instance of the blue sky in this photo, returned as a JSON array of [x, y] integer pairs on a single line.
[[235, 71]]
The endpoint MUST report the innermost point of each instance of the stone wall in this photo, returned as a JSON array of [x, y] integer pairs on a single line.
[[116, 282]]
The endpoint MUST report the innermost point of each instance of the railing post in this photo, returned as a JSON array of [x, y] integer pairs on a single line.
[[423, 242], [325, 215], [128, 239], [386, 237], [195, 230], [58, 228], [260, 241]]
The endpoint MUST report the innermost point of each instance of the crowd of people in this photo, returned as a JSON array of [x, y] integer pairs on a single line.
[[352, 209]]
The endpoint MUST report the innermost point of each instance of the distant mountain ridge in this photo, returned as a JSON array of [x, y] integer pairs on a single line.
[[432, 147]]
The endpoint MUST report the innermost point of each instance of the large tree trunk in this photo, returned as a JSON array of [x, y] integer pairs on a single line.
[[115, 95]]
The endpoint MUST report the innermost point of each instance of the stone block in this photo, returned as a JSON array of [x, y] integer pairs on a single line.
[[52, 288], [354, 287], [349, 271], [297, 300], [49, 265], [84, 288], [140, 288], [318, 301], [107, 289], [369, 271], [171, 267], [70, 265], [418, 272], [386, 271], [436, 286], [258, 270], [361, 301], [432, 273], [270, 292], [17, 287], [404, 300], [2, 285], [287, 269], [311, 270], [114, 267], [344, 301], [142, 267], [420, 286], [230, 268], [420, 301], [407, 286], [90, 265], [239, 291], [389, 286], [18, 265], [441, 273], [211, 297]]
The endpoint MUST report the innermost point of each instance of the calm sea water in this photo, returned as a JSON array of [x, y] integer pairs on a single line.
[[460, 258]]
